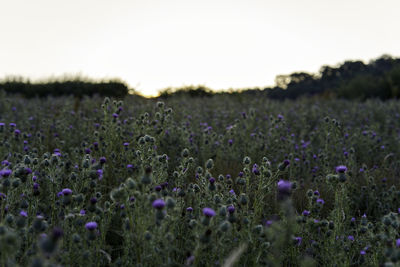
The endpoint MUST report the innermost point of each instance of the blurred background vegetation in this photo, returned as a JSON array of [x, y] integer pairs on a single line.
[[352, 79]]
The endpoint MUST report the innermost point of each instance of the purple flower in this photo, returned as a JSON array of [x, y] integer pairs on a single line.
[[23, 213], [189, 209], [320, 201], [341, 169], [362, 252], [306, 212], [232, 192], [115, 115], [5, 172], [158, 188], [231, 209], [35, 186], [103, 160], [255, 169], [284, 189], [350, 237], [126, 144], [298, 240], [82, 212], [66, 191], [398, 243], [212, 180], [100, 173], [91, 226], [208, 212], [158, 204]]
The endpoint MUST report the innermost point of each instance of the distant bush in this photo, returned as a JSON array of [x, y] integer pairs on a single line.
[[190, 91], [76, 86]]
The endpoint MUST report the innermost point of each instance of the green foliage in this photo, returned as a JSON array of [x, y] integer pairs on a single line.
[[191, 181]]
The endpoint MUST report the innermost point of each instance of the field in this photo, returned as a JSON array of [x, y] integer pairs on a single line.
[[235, 180]]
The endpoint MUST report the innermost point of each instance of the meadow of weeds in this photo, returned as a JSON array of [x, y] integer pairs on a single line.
[[201, 181]]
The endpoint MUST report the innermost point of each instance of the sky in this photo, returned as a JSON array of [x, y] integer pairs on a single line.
[[222, 44]]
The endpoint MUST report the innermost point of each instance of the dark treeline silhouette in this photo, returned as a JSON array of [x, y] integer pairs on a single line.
[[380, 78], [76, 86]]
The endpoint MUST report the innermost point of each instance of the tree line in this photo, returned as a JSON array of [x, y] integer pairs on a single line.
[[352, 79], [76, 86]]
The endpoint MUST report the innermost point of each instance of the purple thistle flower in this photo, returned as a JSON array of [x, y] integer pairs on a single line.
[[362, 252], [103, 160], [284, 189], [158, 188], [232, 192], [91, 226], [35, 186], [306, 212], [208, 212], [341, 169], [100, 173], [115, 115], [350, 237], [82, 212], [212, 180], [5, 172], [298, 240], [66, 191], [189, 209], [320, 201], [255, 169], [23, 213], [231, 209], [158, 204]]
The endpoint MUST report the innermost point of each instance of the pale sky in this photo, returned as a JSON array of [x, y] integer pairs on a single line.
[[154, 44]]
